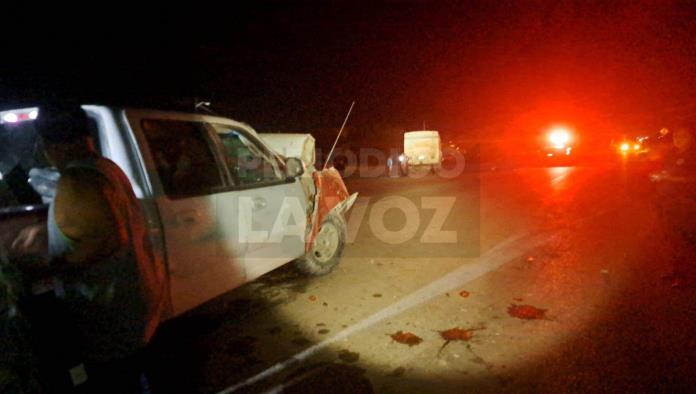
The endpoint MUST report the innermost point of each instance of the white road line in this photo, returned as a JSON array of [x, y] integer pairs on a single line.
[[503, 252]]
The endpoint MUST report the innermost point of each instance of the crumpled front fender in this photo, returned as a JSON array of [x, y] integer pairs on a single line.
[[331, 197]]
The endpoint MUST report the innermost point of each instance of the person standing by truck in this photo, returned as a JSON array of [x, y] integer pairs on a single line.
[[676, 192], [110, 283]]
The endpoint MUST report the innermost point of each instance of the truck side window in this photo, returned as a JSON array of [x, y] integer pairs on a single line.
[[248, 162], [182, 153]]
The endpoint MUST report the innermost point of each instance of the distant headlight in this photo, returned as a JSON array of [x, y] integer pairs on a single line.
[[402, 158]]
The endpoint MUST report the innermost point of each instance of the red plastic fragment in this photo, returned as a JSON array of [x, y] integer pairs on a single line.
[[407, 338], [457, 334], [526, 312]]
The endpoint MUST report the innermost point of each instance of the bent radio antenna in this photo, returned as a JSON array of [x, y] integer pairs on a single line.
[[328, 158]]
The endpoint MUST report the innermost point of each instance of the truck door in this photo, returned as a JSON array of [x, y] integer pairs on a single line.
[[271, 209], [188, 176]]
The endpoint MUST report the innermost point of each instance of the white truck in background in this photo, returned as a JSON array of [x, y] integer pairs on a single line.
[[422, 150]]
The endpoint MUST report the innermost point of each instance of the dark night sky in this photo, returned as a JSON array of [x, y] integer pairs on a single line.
[[459, 66]]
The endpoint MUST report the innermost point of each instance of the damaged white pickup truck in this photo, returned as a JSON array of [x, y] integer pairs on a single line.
[[222, 207]]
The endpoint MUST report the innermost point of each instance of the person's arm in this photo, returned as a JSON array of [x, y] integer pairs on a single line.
[[26, 250], [85, 215]]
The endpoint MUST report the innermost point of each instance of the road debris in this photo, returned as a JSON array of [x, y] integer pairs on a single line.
[[464, 293], [407, 338], [526, 312], [457, 334], [377, 295], [312, 298], [530, 259], [518, 299]]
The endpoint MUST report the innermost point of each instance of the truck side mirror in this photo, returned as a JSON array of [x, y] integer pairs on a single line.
[[293, 167]]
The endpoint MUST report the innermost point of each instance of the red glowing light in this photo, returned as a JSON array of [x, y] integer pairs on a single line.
[[559, 137]]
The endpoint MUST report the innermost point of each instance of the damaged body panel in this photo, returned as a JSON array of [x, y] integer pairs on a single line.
[[331, 196], [325, 190]]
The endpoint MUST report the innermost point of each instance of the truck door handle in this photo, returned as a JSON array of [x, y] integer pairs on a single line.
[[186, 218], [259, 203]]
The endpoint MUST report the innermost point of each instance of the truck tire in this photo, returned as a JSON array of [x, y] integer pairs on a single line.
[[327, 249]]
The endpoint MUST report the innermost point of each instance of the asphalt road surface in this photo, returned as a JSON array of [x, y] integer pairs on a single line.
[[556, 279]]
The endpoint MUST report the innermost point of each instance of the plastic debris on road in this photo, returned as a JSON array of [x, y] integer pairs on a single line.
[[457, 334], [526, 312], [407, 338]]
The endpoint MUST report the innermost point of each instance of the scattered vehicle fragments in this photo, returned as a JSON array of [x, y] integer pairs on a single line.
[[457, 334], [527, 312]]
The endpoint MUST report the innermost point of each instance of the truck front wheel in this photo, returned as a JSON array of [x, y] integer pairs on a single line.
[[327, 249]]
